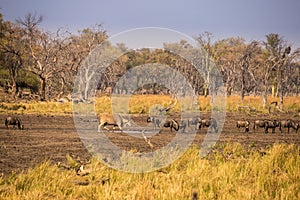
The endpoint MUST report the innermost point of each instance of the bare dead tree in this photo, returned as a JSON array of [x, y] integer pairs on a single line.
[[245, 64], [44, 51]]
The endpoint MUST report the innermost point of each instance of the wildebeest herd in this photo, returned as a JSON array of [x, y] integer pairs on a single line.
[[269, 124], [199, 123], [121, 121]]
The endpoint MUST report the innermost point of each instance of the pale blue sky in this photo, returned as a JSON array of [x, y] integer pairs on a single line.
[[250, 19]]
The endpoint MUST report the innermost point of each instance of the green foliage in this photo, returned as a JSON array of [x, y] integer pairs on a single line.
[[25, 47], [28, 80], [4, 76]]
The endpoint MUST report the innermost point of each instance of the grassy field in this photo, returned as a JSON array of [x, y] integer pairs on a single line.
[[141, 104], [230, 172]]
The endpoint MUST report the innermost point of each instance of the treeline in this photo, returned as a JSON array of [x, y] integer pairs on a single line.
[[37, 64]]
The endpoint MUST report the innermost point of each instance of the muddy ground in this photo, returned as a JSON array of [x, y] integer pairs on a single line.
[[53, 137]]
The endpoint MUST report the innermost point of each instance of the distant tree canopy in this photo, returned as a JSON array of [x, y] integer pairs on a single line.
[[45, 64]]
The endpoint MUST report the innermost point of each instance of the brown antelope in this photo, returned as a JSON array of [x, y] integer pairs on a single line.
[[112, 120]]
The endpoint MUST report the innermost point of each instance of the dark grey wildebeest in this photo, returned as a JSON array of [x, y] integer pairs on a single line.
[[182, 126], [258, 124], [14, 121], [157, 122], [266, 124], [243, 123], [195, 121], [172, 123], [288, 124], [212, 122]]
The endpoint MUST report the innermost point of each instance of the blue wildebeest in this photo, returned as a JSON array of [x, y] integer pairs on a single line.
[[182, 126], [173, 124], [157, 122], [154, 120], [13, 121], [212, 122], [195, 121], [243, 123], [288, 124], [266, 124], [115, 120]]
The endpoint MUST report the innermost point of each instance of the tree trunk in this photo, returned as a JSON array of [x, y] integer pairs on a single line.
[[14, 87], [43, 88], [279, 87], [281, 101], [86, 89], [61, 92], [13, 77], [264, 95], [205, 92], [273, 90], [243, 86]]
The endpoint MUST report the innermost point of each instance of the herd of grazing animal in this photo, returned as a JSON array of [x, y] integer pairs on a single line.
[[267, 124], [199, 123], [157, 122], [120, 121], [195, 121]]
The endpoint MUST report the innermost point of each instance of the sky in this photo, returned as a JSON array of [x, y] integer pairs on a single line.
[[250, 19]]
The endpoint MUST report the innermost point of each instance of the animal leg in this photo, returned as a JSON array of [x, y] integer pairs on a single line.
[[99, 128], [273, 130]]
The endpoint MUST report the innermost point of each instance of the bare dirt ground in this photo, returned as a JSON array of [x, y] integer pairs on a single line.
[[53, 137]]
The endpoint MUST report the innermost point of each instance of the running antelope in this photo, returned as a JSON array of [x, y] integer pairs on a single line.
[[115, 120]]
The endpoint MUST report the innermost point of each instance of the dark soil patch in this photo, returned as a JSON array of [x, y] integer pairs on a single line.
[[53, 137]]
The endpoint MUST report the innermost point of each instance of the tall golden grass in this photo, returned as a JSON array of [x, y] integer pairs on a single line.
[[142, 104], [231, 171]]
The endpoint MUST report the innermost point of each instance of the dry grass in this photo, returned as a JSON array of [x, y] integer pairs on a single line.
[[141, 104], [230, 172]]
